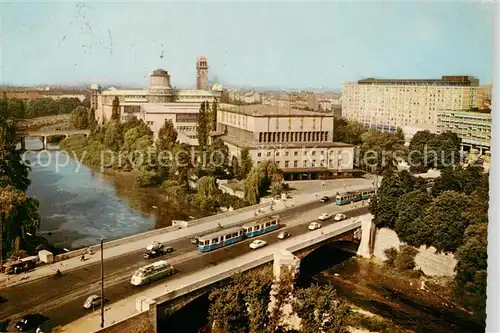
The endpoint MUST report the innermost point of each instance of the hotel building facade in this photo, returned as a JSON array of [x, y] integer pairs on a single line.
[[413, 105]]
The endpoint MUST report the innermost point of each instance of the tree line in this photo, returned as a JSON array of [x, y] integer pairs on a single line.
[[451, 216], [19, 214], [20, 109]]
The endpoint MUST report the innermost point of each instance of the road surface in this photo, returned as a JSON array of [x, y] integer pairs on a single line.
[[61, 299]]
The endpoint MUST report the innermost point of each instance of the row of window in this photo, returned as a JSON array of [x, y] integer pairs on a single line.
[[186, 128], [293, 136], [296, 153], [305, 164]]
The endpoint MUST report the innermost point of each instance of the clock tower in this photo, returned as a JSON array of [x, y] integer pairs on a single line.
[[202, 73]]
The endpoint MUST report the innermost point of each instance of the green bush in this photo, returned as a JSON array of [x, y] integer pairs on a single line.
[[391, 254], [405, 259]]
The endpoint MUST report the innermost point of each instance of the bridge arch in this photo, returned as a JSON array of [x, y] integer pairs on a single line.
[[325, 256]]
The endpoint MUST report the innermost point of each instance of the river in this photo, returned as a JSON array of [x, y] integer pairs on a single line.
[[79, 205]]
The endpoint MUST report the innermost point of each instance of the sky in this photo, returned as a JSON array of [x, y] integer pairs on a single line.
[[276, 45]]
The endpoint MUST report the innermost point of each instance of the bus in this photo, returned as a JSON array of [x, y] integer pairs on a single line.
[[219, 239], [152, 272], [262, 226]]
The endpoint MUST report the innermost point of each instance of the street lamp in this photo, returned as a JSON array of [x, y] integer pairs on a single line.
[[102, 282]]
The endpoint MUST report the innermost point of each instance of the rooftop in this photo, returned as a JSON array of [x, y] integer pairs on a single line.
[[445, 81], [261, 110], [160, 72]]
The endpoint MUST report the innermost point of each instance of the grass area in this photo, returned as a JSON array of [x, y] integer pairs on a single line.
[[374, 323]]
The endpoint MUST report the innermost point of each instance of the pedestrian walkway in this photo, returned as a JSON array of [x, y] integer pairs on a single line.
[[225, 220]]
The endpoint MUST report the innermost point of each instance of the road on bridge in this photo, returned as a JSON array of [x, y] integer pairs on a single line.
[[61, 299]]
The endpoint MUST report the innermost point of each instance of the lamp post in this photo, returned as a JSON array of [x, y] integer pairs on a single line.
[[102, 282]]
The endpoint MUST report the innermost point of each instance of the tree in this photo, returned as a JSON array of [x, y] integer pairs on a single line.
[[4, 106], [16, 109], [447, 221], [348, 131], [113, 137], [252, 187], [79, 118], [218, 158], [92, 122], [384, 206], [207, 187], [405, 259], [245, 165], [320, 310], [13, 171], [214, 116], [167, 136], [471, 269], [409, 224], [228, 310], [429, 150], [203, 119], [18, 215], [381, 151], [115, 111]]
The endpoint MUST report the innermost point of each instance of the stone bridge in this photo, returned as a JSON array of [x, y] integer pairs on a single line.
[[357, 230], [43, 135]]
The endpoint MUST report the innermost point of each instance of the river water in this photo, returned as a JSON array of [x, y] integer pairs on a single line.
[[79, 205]]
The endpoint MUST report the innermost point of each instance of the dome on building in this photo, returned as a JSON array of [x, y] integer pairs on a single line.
[[160, 72], [217, 87]]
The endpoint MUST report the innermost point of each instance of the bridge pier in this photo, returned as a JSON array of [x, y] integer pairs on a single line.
[[44, 142], [23, 144]]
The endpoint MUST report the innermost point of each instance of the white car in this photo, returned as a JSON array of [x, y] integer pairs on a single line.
[[93, 301], [314, 226], [324, 216], [257, 244], [339, 217]]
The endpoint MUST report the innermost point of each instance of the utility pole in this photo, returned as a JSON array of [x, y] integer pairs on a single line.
[[102, 282]]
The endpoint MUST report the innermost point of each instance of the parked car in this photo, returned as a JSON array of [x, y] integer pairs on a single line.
[[157, 249], [314, 226], [283, 235], [324, 199], [258, 243], [93, 301], [324, 216], [339, 217]]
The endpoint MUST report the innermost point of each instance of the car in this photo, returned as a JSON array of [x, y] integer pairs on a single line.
[[194, 240], [93, 301], [324, 216], [314, 226], [257, 244], [30, 322], [283, 235], [156, 249], [324, 199], [339, 217]]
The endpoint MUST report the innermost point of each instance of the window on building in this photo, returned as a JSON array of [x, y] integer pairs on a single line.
[[286, 164], [268, 153], [295, 164], [313, 164], [286, 153], [305, 164], [313, 153], [150, 122], [295, 153], [259, 154], [277, 153]]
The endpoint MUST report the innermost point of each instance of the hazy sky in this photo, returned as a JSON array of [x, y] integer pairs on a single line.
[[287, 45]]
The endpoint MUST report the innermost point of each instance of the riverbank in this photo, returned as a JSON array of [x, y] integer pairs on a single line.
[[410, 303]]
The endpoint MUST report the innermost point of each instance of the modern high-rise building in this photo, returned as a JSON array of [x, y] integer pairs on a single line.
[[202, 73], [385, 104], [472, 126]]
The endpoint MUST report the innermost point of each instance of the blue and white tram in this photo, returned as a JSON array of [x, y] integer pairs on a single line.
[[219, 239], [262, 226], [367, 193]]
